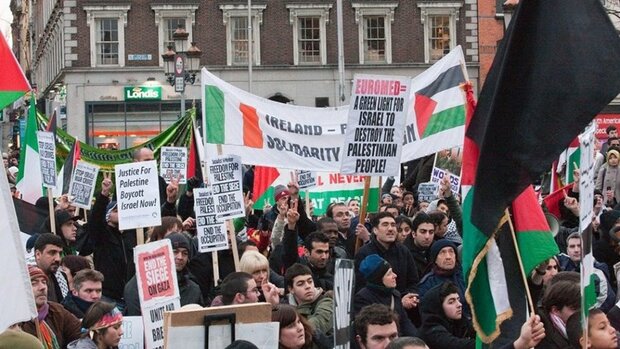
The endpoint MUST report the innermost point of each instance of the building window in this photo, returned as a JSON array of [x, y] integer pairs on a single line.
[[439, 21], [167, 19], [235, 18], [107, 34], [309, 32], [107, 41], [375, 31]]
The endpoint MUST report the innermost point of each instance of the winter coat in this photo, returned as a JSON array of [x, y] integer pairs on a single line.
[[82, 343], [372, 294], [439, 332], [553, 337], [609, 177], [420, 256], [431, 280], [399, 258], [322, 277], [65, 325], [319, 312], [113, 255]]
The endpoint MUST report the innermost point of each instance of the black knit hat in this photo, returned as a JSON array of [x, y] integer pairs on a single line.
[[374, 269], [178, 240]]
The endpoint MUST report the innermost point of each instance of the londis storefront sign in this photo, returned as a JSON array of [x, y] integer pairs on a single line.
[[143, 93]]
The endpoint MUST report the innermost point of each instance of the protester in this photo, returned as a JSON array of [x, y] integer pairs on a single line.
[[407, 343], [295, 331], [104, 326], [70, 265], [56, 326], [329, 227], [375, 327], [404, 228], [47, 251], [443, 324], [257, 265], [561, 299], [601, 334], [311, 302], [86, 291], [420, 240], [65, 226], [381, 289], [237, 288]]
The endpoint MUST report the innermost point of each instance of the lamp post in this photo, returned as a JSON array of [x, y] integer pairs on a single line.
[[181, 64]]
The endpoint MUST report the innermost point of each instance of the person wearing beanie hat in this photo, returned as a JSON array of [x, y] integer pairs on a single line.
[[444, 267], [381, 288], [280, 192], [18, 339], [188, 288], [57, 326]]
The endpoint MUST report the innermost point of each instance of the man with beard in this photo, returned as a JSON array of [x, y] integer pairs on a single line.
[[47, 254], [57, 326]]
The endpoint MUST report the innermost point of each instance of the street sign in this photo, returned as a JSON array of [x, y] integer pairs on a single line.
[[179, 74]]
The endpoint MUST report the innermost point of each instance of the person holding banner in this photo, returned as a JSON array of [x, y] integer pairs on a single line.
[[104, 325]]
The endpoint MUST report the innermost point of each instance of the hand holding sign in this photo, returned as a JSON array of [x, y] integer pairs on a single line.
[[106, 184], [444, 186]]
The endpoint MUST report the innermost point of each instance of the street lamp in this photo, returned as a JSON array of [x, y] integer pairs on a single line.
[[181, 64]]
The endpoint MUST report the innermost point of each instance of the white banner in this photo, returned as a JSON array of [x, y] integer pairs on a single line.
[[373, 141], [173, 163], [137, 192], [83, 184], [586, 177], [47, 158], [225, 179], [210, 231]]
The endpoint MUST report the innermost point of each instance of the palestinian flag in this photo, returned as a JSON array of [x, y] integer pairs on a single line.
[[533, 234], [66, 171], [552, 201], [588, 276], [13, 83], [485, 277], [438, 110], [264, 185], [29, 181], [570, 160]]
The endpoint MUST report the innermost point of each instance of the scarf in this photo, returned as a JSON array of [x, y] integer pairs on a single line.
[[47, 335], [439, 271], [62, 283], [558, 324]]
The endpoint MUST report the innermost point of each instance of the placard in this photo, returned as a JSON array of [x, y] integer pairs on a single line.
[[306, 179], [158, 288], [375, 126], [586, 177], [455, 181], [83, 184], [448, 162], [173, 163], [133, 333], [344, 280], [210, 231], [156, 272], [428, 191], [137, 192], [47, 158], [225, 178]]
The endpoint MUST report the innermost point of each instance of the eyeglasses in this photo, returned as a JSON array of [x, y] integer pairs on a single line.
[[255, 290]]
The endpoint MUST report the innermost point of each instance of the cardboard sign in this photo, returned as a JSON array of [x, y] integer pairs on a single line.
[[428, 191], [156, 272], [448, 162], [344, 280], [305, 179], [185, 328], [172, 163], [47, 158], [455, 181], [210, 231], [153, 319], [133, 333], [586, 177], [225, 178], [83, 184], [137, 192], [375, 126]]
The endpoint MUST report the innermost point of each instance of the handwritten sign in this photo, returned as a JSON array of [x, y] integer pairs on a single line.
[[83, 184], [375, 127], [173, 163]]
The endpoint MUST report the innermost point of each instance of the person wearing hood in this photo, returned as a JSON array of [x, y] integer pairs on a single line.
[[65, 227], [113, 248], [381, 288], [104, 325], [444, 266], [188, 289], [311, 302], [443, 324]]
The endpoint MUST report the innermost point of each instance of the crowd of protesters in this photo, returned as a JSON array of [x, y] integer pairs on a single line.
[[409, 290]]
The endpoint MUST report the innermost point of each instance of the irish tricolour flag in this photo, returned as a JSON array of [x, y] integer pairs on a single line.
[[436, 118]]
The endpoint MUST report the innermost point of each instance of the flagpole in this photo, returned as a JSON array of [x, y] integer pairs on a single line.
[[50, 200], [523, 276], [358, 241]]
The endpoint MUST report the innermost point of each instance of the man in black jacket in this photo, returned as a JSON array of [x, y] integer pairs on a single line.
[[420, 241]]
